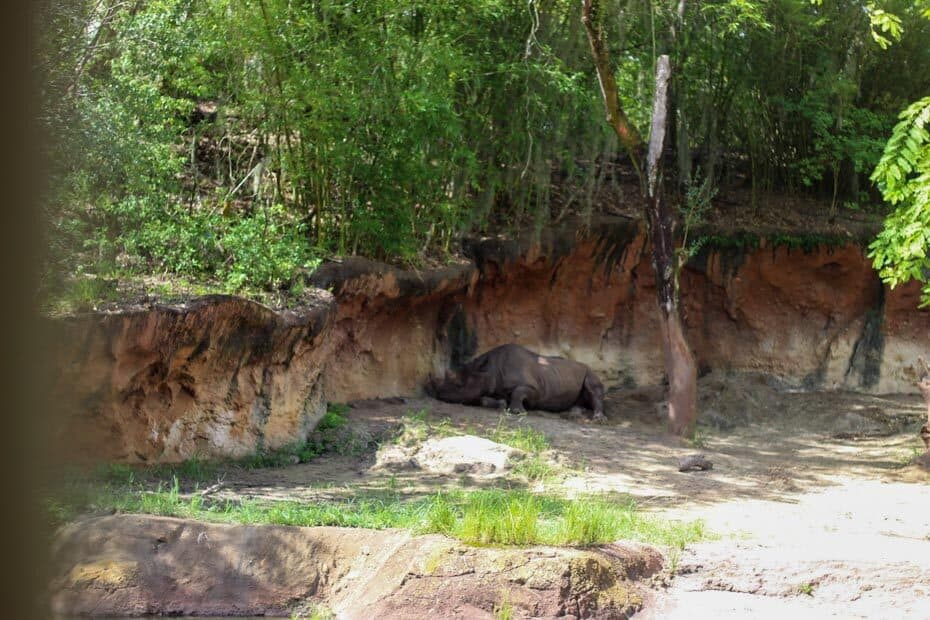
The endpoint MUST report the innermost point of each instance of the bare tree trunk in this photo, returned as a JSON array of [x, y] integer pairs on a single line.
[[616, 117], [682, 377], [680, 366]]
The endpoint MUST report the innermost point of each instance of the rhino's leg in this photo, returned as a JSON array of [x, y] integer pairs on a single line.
[[518, 396], [493, 403]]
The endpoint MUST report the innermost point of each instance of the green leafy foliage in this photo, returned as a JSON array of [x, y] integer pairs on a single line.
[[900, 252], [244, 141], [336, 129]]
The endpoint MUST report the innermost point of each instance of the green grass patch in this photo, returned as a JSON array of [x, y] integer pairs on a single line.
[[478, 517], [417, 426], [499, 517], [535, 468], [82, 294], [523, 438], [503, 610]]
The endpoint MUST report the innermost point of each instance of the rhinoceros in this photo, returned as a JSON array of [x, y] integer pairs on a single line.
[[519, 378]]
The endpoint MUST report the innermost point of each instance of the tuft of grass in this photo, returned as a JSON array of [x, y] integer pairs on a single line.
[[114, 473], [504, 609], [535, 468], [334, 417], [329, 436], [590, 522], [523, 438], [83, 294], [499, 517], [806, 589], [415, 428], [418, 426], [439, 516], [907, 458], [194, 469], [699, 440], [316, 613]]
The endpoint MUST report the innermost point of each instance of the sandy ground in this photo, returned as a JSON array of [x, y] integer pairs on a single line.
[[817, 512]]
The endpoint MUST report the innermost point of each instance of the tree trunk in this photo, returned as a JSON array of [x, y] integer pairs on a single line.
[[682, 377], [680, 366]]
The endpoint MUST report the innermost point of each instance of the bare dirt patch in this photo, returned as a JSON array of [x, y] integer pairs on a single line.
[[765, 443]]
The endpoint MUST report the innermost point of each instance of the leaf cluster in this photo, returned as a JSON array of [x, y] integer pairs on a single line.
[[900, 252]]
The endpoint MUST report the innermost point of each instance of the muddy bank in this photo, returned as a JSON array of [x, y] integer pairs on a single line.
[[223, 376], [134, 565]]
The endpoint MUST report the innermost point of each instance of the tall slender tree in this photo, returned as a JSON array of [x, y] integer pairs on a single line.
[[680, 365]]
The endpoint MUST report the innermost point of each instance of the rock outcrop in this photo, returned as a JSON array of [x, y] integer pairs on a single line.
[[223, 376], [133, 565], [217, 376]]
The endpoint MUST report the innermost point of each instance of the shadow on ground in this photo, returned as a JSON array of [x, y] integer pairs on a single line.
[[764, 443]]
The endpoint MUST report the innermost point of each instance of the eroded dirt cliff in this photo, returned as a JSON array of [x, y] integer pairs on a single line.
[[222, 376], [217, 376]]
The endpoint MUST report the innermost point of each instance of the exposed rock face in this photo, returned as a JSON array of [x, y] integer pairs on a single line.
[[385, 325], [219, 376], [133, 565], [224, 376]]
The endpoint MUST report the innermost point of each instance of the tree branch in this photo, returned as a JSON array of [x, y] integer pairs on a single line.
[[629, 137]]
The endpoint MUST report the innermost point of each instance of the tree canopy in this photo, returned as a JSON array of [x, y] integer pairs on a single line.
[[249, 138]]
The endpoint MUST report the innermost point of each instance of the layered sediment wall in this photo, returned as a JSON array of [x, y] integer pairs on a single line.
[[222, 376]]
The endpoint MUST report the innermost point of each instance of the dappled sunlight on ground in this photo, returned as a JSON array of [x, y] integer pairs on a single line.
[[814, 507], [773, 459]]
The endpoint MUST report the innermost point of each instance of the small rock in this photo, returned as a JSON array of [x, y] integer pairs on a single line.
[[694, 461]]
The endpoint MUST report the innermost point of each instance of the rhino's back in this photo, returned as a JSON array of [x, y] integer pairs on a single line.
[[561, 381], [557, 380]]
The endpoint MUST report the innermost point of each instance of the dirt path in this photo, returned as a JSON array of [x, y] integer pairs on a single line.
[[860, 549], [816, 510]]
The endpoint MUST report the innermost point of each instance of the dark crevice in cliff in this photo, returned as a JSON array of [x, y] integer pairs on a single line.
[[262, 408], [866, 359], [461, 341]]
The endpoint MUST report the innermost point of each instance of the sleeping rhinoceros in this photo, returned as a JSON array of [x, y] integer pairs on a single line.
[[515, 376]]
